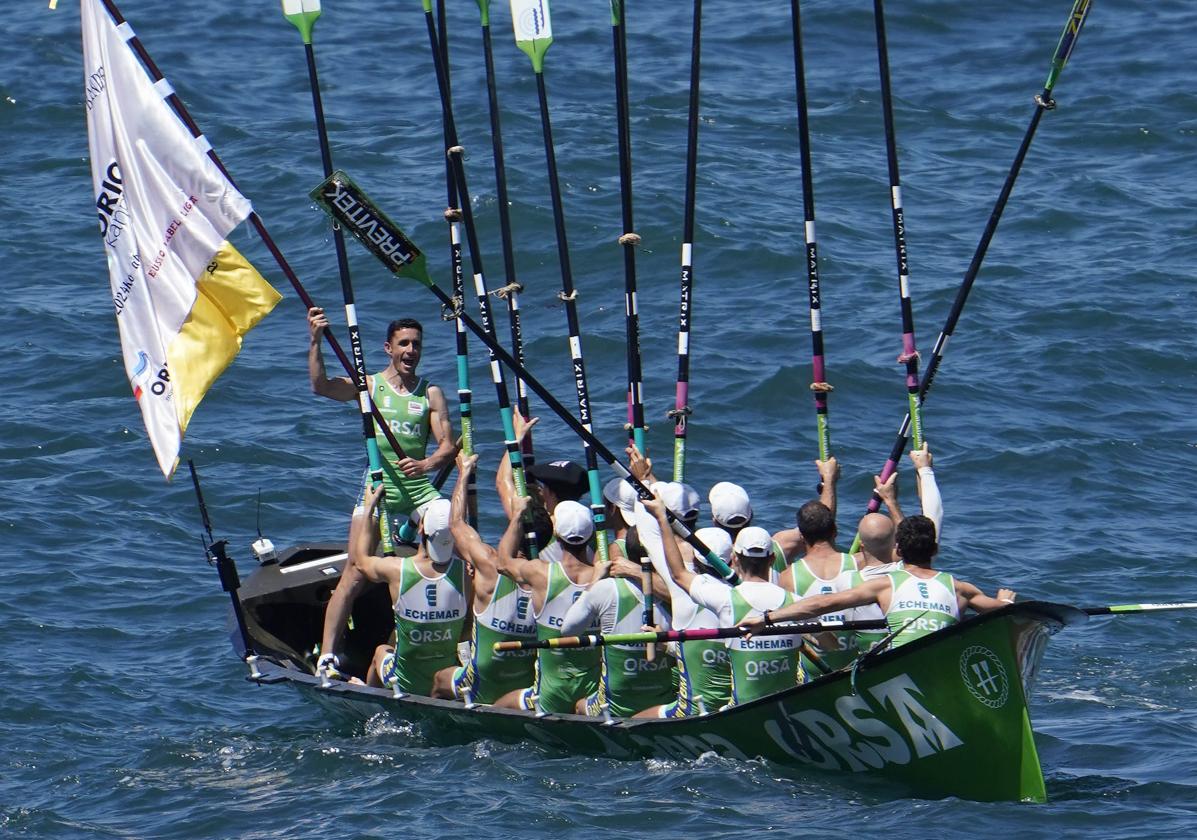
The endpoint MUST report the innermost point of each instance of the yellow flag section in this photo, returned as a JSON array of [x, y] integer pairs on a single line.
[[183, 295]]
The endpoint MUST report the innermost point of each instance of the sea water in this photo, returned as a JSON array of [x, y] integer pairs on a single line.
[[1061, 423]]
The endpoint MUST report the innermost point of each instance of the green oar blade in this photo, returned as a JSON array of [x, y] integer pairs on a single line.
[[303, 14], [342, 199], [533, 29], [1080, 11], [484, 10]]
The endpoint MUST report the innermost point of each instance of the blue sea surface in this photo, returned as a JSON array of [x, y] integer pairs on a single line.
[[1062, 421]]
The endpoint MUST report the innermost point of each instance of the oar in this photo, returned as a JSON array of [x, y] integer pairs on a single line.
[[533, 35], [455, 153], [706, 634], [465, 396], [910, 354], [512, 287], [303, 14], [1121, 609], [819, 385], [629, 239], [1043, 103], [344, 201], [681, 405]]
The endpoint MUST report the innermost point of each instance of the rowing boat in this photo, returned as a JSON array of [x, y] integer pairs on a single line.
[[946, 715]]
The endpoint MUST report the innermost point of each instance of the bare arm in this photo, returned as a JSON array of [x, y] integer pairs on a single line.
[[340, 388], [469, 544], [639, 466], [816, 605], [525, 572], [363, 542], [504, 482], [887, 491], [791, 542], [442, 431], [829, 474], [971, 596]]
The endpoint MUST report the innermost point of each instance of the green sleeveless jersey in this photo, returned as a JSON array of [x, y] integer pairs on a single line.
[[764, 664], [630, 683], [428, 619], [865, 639], [508, 617], [563, 675], [806, 583], [919, 607], [706, 682], [409, 418]]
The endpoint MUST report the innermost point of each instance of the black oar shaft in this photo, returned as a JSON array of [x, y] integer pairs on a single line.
[[681, 405], [569, 298], [510, 277], [455, 153], [819, 386], [630, 238], [1043, 102]]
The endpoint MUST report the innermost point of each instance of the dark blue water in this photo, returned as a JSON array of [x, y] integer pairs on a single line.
[[1062, 421]]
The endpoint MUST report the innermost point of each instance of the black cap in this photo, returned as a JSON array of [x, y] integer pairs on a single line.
[[565, 478]]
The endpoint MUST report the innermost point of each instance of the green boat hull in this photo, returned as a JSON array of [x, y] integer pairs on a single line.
[[943, 716]]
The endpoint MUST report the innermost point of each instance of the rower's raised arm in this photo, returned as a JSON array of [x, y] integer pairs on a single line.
[[467, 540], [504, 482], [829, 475], [526, 572], [363, 541], [929, 498], [673, 556]]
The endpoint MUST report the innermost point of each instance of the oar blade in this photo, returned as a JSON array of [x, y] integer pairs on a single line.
[[533, 29], [303, 15], [346, 203]]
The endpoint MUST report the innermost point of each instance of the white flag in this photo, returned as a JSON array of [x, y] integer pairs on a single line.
[[183, 295]]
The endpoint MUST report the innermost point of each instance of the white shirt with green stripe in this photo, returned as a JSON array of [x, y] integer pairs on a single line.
[[807, 583], [429, 612], [920, 606]]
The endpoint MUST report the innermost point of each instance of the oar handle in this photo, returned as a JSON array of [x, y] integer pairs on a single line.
[[705, 634], [1121, 609]]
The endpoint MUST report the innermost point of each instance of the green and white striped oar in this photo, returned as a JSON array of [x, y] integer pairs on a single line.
[[350, 207], [534, 35], [1121, 609]]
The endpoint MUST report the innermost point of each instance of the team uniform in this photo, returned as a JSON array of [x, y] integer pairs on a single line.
[[490, 674], [779, 564], [704, 668], [562, 676], [429, 613], [918, 607], [629, 681], [807, 583], [762, 665], [865, 639], [409, 417]]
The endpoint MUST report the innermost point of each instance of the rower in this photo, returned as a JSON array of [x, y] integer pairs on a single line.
[[414, 409], [562, 676], [878, 554], [502, 609], [431, 591], [916, 599], [758, 667], [704, 670], [822, 570], [790, 540], [631, 680]]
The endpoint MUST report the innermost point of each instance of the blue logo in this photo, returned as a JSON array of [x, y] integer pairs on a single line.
[[430, 594], [924, 591], [521, 607]]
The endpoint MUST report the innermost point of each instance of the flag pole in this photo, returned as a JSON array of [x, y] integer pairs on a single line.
[[176, 104]]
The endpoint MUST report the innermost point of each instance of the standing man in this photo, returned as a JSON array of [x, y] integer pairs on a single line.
[[414, 409]]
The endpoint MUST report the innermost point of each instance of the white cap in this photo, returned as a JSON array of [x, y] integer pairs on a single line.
[[621, 494], [572, 523], [729, 505], [438, 539], [680, 498], [718, 541], [754, 542]]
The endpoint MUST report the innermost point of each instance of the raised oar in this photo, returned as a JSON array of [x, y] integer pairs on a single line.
[[629, 239], [1123, 609], [344, 201], [533, 35], [681, 406], [1043, 102], [512, 287], [910, 355], [465, 396], [819, 384], [303, 14], [661, 636], [455, 153]]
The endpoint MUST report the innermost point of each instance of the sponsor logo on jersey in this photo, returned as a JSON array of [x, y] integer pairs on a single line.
[[430, 594]]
